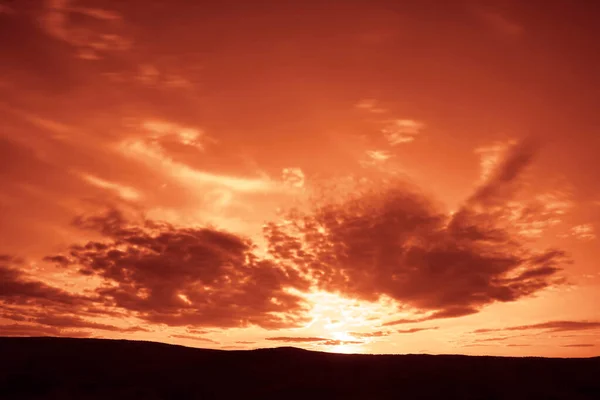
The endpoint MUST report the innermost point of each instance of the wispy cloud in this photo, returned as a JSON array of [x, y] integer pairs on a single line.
[[155, 157], [292, 339], [583, 232], [191, 337], [498, 21], [91, 41], [371, 106], [293, 177], [415, 330], [402, 131], [551, 326], [125, 192]]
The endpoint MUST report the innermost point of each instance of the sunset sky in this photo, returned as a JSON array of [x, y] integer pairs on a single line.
[[411, 176]]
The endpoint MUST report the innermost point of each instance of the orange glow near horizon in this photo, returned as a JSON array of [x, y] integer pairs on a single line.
[[369, 177]]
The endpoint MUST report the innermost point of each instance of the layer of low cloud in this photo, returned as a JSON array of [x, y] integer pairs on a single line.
[[315, 340], [39, 308], [415, 330], [551, 326]]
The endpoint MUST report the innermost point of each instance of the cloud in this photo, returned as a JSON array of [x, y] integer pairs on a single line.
[[499, 22], [500, 184], [369, 334], [293, 177], [491, 156], [154, 155], [161, 132], [579, 345], [451, 312], [402, 131], [35, 330], [415, 330], [495, 199], [494, 339], [93, 32], [296, 339], [185, 276], [190, 337], [390, 240], [317, 340], [583, 232], [335, 342], [551, 326], [125, 192], [378, 156], [6, 9], [371, 106], [17, 289], [48, 309]]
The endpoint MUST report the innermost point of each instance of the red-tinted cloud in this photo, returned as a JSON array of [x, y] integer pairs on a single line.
[[296, 339], [36, 330], [178, 277], [391, 240], [415, 330], [452, 312], [370, 334], [41, 309], [191, 337], [317, 340], [17, 289], [552, 326]]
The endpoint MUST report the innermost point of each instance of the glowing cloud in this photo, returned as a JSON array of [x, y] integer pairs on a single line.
[[402, 131]]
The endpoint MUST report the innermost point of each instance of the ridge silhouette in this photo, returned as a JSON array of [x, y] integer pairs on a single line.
[[67, 368]]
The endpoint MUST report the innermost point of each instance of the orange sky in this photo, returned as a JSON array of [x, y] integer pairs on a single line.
[[360, 176]]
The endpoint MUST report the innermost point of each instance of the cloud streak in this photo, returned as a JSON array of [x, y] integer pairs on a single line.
[[551, 326]]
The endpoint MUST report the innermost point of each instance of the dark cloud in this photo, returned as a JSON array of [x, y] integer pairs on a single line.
[[18, 289], [73, 321], [36, 330], [501, 184], [415, 330], [35, 60], [452, 312], [579, 345], [388, 239], [494, 339], [201, 277], [50, 310], [552, 326]]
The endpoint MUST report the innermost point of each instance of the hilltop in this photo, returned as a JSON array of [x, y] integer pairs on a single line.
[[64, 368]]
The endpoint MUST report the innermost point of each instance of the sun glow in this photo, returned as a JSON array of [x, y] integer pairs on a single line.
[[345, 322]]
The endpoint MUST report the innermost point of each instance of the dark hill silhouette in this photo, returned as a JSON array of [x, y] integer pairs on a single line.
[[61, 368]]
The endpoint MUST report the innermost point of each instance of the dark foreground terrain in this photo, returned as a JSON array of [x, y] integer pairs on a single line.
[[53, 368]]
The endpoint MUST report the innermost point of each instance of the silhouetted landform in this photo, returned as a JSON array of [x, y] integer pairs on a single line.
[[61, 368]]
